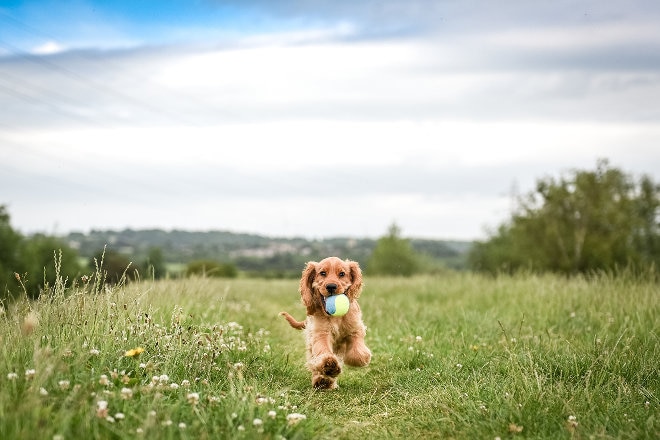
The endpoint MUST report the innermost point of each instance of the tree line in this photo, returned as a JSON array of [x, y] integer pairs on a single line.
[[583, 221]]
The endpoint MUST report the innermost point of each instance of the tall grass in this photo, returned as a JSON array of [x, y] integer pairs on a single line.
[[455, 356]]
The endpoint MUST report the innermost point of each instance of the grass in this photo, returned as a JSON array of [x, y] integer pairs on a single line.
[[455, 356]]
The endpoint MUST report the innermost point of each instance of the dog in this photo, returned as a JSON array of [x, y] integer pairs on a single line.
[[331, 340]]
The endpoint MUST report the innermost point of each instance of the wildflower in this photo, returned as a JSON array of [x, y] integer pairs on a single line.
[[515, 429], [29, 374], [126, 393], [120, 416], [167, 422], [418, 338], [459, 365], [272, 414], [94, 352], [572, 422], [151, 413], [102, 409], [241, 428], [43, 391], [104, 380], [193, 398], [185, 383], [174, 386], [12, 376], [64, 384], [295, 418], [257, 422], [238, 366], [143, 365], [163, 378], [133, 352], [139, 431], [58, 437], [182, 425], [110, 419]]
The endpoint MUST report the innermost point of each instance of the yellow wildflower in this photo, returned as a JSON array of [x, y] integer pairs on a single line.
[[134, 352]]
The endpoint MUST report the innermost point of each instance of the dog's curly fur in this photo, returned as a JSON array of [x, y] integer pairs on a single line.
[[331, 340]]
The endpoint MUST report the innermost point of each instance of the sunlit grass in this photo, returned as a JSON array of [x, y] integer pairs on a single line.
[[455, 356]]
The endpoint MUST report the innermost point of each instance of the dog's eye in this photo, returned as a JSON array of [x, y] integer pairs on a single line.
[[322, 273], [341, 274]]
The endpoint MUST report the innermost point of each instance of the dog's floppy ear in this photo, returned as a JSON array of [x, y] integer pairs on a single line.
[[306, 280], [356, 280]]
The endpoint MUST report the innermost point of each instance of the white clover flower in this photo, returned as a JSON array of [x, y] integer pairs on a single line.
[[163, 378], [418, 338], [126, 393], [43, 391], [193, 398], [103, 380], [185, 383], [12, 376], [29, 374], [272, 414], [257, 422], [102, 409], [295, 418], [174, 386], [182, 425], [64, 384], [120, 416]]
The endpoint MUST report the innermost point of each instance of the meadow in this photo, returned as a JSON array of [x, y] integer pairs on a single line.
[[458, 356]]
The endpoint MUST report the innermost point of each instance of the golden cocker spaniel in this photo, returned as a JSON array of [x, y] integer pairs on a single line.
[[331, 340]]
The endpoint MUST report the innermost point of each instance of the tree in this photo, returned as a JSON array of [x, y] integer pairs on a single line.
[[9, 256], [393, 255], [154, 265], [44, 259], [587, 220], [115, 267]]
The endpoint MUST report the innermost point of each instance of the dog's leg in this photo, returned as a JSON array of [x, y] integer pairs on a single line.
[[322, 362], [357, 352]]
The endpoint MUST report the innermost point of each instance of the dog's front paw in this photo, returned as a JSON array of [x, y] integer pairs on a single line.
[[330, 366], [321, 382]]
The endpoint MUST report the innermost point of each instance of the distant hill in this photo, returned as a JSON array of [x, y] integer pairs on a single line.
[[250, 252]]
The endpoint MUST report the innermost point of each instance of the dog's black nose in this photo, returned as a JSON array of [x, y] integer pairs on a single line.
[[331, 287]]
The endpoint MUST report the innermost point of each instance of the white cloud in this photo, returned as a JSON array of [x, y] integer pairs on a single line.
[[49, 48]]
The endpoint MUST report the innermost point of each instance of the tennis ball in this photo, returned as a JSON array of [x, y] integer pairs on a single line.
[[337, 305]]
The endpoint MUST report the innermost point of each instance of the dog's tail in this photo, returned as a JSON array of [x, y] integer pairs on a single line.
[[298, 325]]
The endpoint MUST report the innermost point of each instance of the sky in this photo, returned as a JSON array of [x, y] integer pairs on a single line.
[[316, 119]]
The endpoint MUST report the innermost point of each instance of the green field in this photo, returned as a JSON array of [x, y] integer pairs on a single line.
[[455, 356]]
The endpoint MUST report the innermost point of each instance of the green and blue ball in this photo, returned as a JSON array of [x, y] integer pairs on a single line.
[[337, 305]]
